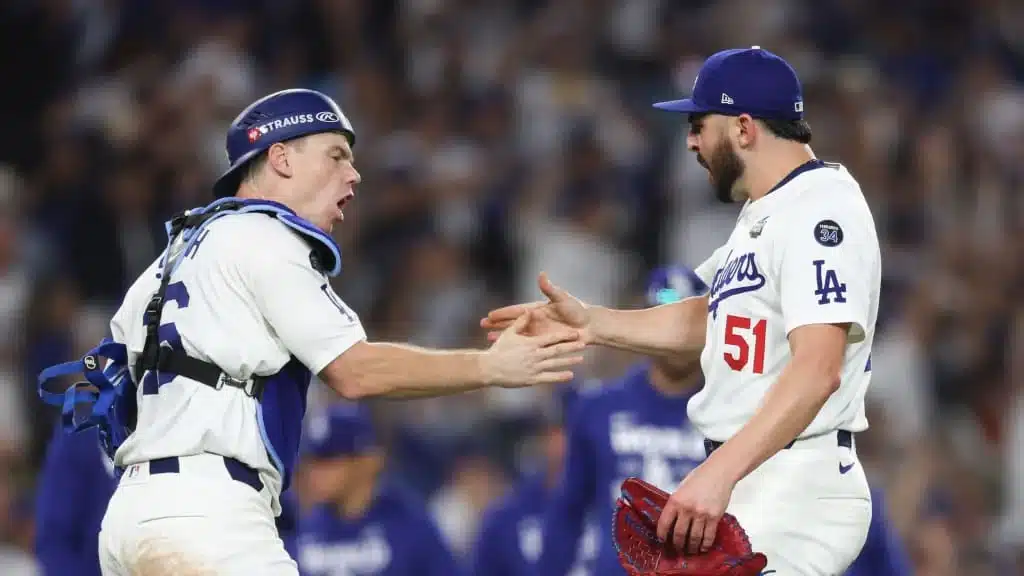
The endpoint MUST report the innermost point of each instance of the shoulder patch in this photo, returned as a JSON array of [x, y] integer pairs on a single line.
[[828, 233]]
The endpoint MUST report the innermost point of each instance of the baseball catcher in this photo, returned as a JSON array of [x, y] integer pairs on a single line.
[[642, 553]]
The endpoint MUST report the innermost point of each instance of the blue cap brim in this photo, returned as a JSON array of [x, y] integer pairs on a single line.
[[685, 105]]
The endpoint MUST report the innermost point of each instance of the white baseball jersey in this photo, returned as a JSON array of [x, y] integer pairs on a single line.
[[245, 298], [806, 253]]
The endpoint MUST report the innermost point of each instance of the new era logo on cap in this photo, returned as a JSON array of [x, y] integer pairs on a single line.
[[744, 81]]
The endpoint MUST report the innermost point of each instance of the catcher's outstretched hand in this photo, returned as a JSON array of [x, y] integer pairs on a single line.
[[561, 310], [517, 359]]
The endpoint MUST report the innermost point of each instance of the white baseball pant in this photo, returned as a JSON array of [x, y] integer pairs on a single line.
[[808, 508], [196, 521]]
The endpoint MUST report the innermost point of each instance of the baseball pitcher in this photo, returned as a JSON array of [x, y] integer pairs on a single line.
[[784, 334], [202, 392]]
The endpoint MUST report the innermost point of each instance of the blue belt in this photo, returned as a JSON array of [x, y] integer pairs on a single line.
[[844, 438], [237, 470]]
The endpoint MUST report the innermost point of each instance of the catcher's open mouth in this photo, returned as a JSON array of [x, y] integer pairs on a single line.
[[341, 203]]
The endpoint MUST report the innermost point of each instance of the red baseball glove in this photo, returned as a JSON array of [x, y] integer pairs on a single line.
[[641, 553]]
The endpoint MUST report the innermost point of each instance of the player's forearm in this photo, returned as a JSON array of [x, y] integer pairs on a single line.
[[404, 371], [663, 331], [790, 405]]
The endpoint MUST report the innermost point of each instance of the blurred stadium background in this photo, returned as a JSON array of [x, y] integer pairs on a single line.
[[497, 138]]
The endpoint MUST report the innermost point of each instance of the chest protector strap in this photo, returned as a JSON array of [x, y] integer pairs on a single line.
[[183, 231]]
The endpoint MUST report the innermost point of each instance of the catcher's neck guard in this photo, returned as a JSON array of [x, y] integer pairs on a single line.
[[188, 225]]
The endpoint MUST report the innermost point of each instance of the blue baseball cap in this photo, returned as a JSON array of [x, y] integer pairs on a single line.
[[744, 81], [276, 118], [343, 429], [673, 283]]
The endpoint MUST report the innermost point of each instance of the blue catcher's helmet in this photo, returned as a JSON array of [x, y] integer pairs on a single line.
[[276, 118], [673, 283]]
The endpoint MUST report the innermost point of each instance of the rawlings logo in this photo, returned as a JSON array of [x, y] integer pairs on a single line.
[[738, 276]]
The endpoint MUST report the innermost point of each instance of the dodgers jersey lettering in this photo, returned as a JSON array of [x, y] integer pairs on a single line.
[[806, 253], [247, 299]]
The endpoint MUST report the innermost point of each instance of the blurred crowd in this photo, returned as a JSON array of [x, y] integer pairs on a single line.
[[499, 138]]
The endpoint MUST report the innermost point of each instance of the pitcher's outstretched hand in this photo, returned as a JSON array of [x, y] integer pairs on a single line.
[[561, 311]]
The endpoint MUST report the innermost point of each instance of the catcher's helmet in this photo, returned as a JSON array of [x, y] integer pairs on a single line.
[[276, 118], [673, 283]]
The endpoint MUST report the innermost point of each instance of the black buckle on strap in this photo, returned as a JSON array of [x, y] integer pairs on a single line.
[[181, 364], [252, 387]]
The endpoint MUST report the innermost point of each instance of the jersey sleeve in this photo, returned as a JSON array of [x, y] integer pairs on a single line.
[[706, 270], [825, 261], [298, 303]]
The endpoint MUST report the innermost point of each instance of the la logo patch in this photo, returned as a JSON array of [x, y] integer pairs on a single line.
[[829, 288]]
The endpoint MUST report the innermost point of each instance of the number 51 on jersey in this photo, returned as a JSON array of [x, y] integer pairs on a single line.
[[746, 337]]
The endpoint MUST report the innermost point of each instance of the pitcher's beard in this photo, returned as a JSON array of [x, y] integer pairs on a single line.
[[725, 169]]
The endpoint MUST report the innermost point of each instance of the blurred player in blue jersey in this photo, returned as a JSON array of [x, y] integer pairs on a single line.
[[362, 525], [511, 537], [883, 553], [635, 426], [75, 484]]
